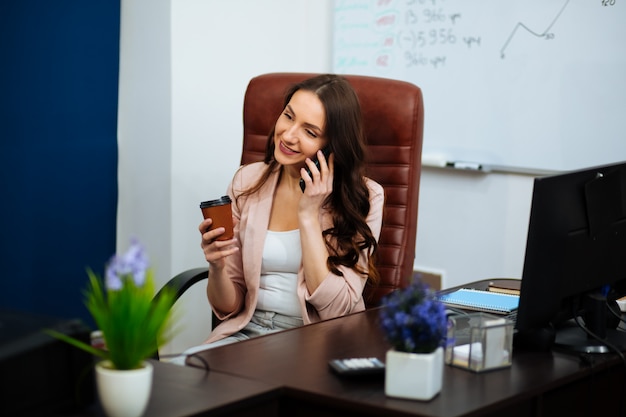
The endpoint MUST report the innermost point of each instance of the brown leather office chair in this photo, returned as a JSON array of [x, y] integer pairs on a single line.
[[393, 112]]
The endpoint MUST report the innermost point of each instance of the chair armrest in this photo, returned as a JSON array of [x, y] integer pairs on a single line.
[[183, 281]]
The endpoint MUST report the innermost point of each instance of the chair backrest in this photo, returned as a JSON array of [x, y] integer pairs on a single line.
[[393, 113]]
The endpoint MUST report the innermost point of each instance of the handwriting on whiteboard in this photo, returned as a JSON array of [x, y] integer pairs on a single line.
[[414, 35], [420, 33]]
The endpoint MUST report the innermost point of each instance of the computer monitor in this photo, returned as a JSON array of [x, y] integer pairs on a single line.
[[575, 261]]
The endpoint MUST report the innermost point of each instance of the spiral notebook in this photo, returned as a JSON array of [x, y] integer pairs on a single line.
[[480, 300]]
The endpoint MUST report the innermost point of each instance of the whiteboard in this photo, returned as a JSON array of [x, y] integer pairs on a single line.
[[518, 84]]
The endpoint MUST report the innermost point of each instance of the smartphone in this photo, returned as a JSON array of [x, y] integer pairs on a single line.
[[326, 153]]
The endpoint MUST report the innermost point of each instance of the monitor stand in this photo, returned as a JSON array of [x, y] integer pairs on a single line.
[[595, 316], [570, 337]]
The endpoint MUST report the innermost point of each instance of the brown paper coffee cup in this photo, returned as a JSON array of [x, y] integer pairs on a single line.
[[220, 211]]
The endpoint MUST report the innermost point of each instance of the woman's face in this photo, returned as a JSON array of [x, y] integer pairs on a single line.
[[299, 130]]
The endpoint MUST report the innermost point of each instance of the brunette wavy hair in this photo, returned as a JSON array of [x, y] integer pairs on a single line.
[[349, 200]]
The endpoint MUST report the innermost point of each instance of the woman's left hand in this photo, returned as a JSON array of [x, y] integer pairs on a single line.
[[319, 184]]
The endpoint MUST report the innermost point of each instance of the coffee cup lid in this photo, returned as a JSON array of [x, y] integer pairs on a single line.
[[219, 202]]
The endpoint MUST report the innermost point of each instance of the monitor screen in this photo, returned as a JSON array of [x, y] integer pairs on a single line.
[[575, 261]]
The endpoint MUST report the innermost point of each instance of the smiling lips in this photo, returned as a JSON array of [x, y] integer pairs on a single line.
[[284, 149]]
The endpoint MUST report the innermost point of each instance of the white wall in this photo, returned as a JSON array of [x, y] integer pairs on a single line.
[[144, 130], [184, 68], [472, 226]]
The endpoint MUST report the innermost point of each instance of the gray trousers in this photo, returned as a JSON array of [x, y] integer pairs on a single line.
[[261, 323]]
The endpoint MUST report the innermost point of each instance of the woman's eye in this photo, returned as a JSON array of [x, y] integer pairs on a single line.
[[311, 133], [288, 116]]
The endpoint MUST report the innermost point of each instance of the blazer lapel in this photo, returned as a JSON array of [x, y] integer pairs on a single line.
[[258, 219]]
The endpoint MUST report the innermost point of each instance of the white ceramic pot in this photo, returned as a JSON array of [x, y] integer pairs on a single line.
[[123, 393], [415, 376]]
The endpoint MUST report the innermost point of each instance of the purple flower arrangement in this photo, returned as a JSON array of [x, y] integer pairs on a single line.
[[413, 319]]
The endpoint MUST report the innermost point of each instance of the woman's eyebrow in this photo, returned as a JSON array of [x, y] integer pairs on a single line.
[[309, 125]]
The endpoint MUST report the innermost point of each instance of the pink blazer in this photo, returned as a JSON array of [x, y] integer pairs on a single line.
[[336, 296]]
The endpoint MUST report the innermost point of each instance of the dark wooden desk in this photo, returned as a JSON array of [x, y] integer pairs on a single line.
[[177, 392], [187, 391], [538, 384], [286, 375]]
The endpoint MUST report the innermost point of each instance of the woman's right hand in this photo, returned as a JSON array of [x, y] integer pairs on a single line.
[[216, 250]]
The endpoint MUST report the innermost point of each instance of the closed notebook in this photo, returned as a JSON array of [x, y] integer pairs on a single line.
[[481, 300]]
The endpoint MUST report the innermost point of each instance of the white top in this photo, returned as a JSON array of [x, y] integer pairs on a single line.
[[282, 256]]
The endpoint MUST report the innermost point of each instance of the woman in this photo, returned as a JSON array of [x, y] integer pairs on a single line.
[[298, 256]]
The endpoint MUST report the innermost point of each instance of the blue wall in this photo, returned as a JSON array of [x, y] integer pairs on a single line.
[[58, 150]]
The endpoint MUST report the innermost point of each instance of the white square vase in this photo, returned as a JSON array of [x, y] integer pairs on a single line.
[[415, 376]]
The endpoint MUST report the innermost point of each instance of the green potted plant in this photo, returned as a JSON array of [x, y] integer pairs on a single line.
[[414, 323], [133, 325]]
